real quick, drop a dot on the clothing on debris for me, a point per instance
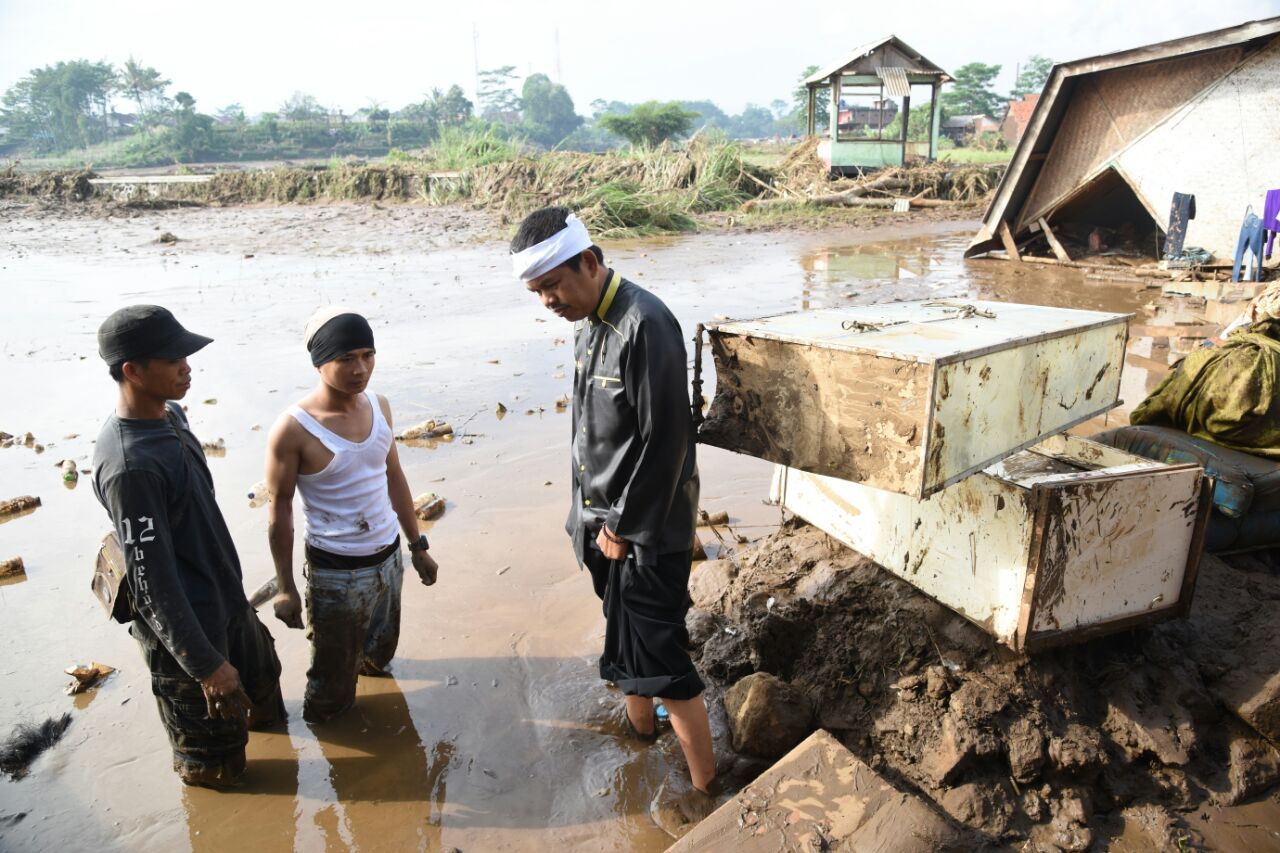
(1250, 243)
(1181, 211)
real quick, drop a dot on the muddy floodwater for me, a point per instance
(495, 732)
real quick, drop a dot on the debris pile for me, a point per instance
(18, 506)
(12, 568)
(803, 178)
(428, 507)
(1058, 749)
(65, 185)
(84, 677)
(27, 742)
(426, 429)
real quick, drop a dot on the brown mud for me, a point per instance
(494, 732)
(1122, 740)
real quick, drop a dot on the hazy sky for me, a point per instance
(351, 53)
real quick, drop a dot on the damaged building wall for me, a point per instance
(1226, 144)
(1108, 111)
(1206, 99)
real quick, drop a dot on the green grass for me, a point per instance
(104, 154)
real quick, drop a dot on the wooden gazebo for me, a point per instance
(887, 71)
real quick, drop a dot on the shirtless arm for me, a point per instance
(402, 502)
(283, 457)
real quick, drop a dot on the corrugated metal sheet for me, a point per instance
(895, 82)
(1111, 109)
(1224, 145)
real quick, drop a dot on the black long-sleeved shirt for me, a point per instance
(634, 460)
(183, 571)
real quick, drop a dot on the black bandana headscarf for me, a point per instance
(339, 336)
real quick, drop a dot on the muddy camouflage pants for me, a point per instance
(197, 740)
(353, 617)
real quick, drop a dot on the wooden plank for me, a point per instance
(1059, 252)
(1135, 360)
(1009, 245)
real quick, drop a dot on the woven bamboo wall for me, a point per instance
(1224, 146)
(1112, 108)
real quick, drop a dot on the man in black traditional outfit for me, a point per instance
(634, 473)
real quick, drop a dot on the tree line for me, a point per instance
(72, 106)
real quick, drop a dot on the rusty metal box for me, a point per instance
(911, 396)
(1058, 543)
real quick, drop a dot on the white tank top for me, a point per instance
(347, 506)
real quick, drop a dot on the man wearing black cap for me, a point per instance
(335, 448)
(214, 670)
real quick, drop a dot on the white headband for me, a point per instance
(323, 314)
(570, 241)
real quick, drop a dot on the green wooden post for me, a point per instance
(935, 121)
(835, 111)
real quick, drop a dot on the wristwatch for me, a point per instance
(419, 544)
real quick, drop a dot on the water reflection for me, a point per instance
(387, 793)
(259, 815)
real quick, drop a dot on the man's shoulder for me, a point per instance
(643, 307)
(125, 466)
(121, 448)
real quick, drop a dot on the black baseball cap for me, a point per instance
(146, 331)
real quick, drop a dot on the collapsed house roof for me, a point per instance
(1189, 115)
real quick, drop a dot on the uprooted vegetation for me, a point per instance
(1059, 750)
(27, 743)
(627, 192)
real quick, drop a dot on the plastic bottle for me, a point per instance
(69, 472)
(260, 494)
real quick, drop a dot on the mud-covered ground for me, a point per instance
(1120, 743)
(495, 732)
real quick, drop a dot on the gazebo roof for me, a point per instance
(904, 56)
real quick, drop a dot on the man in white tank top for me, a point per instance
(335, 447)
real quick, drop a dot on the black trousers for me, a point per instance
(646, 644)
(195, 738)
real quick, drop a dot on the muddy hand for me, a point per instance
(425, 566)
(611, 545)
(288, 608)
(224, 696)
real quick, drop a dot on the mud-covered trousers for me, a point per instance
(200, 742)
(354, 623)
(646, 643)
